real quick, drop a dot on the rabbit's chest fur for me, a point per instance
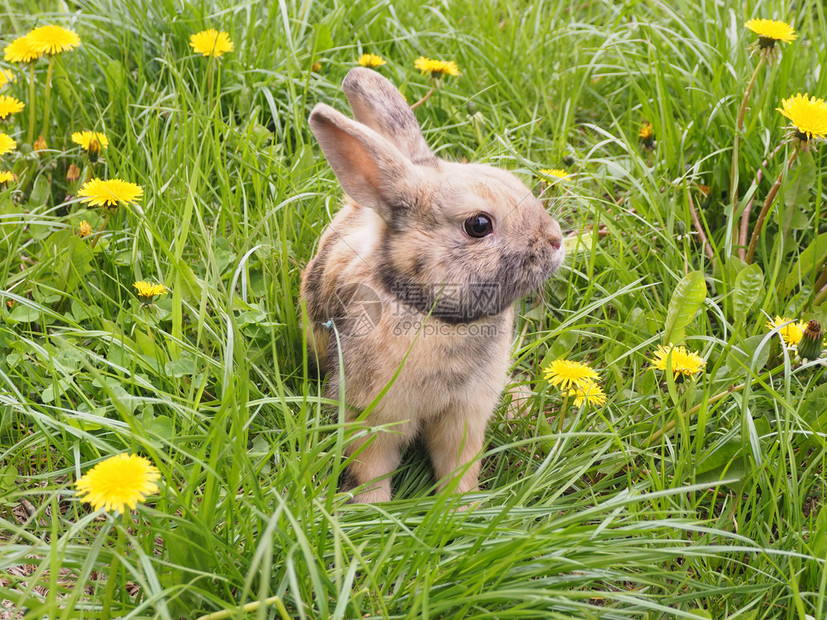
(440, 365)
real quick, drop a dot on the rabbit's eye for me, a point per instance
(479, 225)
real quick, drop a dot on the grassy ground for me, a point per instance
(702, 498)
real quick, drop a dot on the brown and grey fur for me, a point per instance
(400, 233)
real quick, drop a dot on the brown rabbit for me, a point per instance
(413, 285)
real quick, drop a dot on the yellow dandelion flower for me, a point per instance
(148, 291)
(21, 50)
(119, 482)
(7, 143)
(211, 43)
(98, 192)
(9, 105)
(85, 229)
(6, 77)
(436, 68)
(6, 177)
(791, 334)
(554, 172)
(371, 61)
(316, 67)
(769, 31)
(53, 39)
(807, 114)
(684, 362)
(90, 140)
(587, 392)
(646, 133)
(567, 374)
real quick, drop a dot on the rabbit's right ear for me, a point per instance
(377, 103)
(370, 169)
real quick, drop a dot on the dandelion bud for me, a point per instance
(73, 173)
(40, 144)
(812, 341)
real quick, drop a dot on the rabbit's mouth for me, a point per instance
(523, 272)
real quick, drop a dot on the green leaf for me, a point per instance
(562, 346)
(68, 258)
(24, 314)
(85, 419)
(55, 389)
(797, 193)
(749, 284)
(324, 40)
(814, 408)
(182, 367)
(741, 356)
(687, 299)
(8, 482)
(163, 427)
(808, 262)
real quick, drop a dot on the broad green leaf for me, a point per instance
(562, 346)
(810, 259)
(814, 408)
(687, 299)
(741, 356)
(163, 427)
(797, 193)
(324, 40)
(24, 314)
(720, 455)
(184, 366)
(8, 484)
(749, 284)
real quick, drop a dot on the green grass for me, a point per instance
(672, 501)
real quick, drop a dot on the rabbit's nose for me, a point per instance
(555, 235)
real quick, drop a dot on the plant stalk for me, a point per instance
(32, 95)
(736, 147)
(756, 232)
(100, 231)
(114, 569)
(563, 414)
(742, 238)
(48, 97)
(696, 222)
(424, 99)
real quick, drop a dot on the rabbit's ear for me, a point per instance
(379, 105)
(370, 169)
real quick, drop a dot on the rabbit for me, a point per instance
(410, 294)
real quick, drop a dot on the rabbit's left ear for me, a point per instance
(370, 169)
(379, 105)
